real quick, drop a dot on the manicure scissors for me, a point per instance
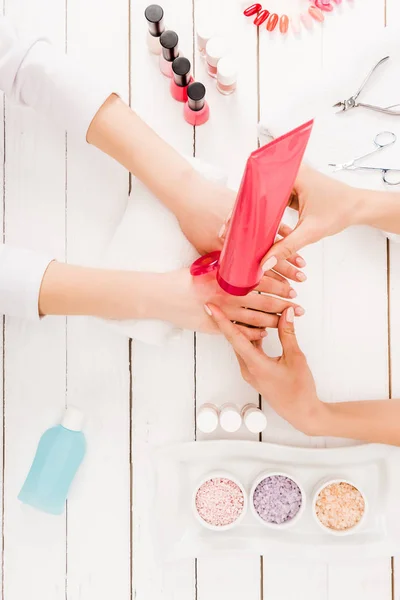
(381, 140)
(352, 101)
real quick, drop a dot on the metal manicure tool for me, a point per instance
(381, 140)
(352, 101)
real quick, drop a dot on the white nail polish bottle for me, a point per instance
(254, 418)
(230, 418)
(207, 418)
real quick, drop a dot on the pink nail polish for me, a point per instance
(216, 48)
(327, 7)
(300, 262)
(316, 13)
(306, 20)
(169, 51)
(181, 78)
(196, 111)
(299, 311)
(154, 15)
(226, 76)
(292, 293)
(301, 276)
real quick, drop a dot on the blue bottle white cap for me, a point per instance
(73, 419)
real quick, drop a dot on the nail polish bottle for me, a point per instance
(254, 418)
(204, 33)
(155, 19)
(230, 418)
(216, 48)
(207, 418)
(169, 51)
(226, 76)
(181, 78)
(196, 111)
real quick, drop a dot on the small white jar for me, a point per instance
(226, 75)
(230, 418)
(204, 32)
(254, 418)
(220, 475)
(216, 48)
(338, 532)
(290, 522)
(207, 418)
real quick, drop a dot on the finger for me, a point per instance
(296, 259)
(234, 335)
(253, 334)
(278, 287)
(287, 334)
(301, 236)
(289, 271)
(224, 228)
(269, 304)
(252, 318)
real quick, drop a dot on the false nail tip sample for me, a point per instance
(307, 21)
(272, 22)
(261, 17)
(284, 24)
(325, 7)
(252, 10)
(295, 24)
(316, 13)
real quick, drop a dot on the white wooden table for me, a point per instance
(66, 198)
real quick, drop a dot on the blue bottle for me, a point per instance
(59, 454)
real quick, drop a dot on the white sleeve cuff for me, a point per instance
(21, 275)
(393, 237)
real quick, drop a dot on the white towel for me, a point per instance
(149, 238)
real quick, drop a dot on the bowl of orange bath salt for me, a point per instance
(339, 506)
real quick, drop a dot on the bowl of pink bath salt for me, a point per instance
(339, 506)
(277, 500)
(219, 502)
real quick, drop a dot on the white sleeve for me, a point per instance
(21, 274)
(393, 237)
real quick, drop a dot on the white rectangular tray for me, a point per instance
(179, 468)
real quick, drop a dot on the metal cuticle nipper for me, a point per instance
(351, 102)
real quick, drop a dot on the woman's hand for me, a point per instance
(326, 207)
(180, 299)
(285, 382)
(204, 220)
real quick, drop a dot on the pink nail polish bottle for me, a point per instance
(155, 19)
(169, 51)
(196, 111)
(181, 78)
(264, 192)
(216, 48)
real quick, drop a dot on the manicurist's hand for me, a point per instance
(181, 301)
(326, 207)
(285, 382)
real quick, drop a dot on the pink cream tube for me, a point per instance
(263, 196)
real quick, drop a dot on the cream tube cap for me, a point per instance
(226, 71)
(73, 419)
(216, 48)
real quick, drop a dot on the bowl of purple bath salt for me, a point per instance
(277, 500)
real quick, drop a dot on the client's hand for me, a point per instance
(326, 206)
(204, 218)
(285, 382)
(181, 301)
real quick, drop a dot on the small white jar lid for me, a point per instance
(204, 32)
(226, 71)
(230, 419)
(255, 420)
(207, 419)
(216, 48)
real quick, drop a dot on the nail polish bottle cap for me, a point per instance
(169, 42)
(254, 419)
(226, 71)
(205, 32)
(73, 419)
(230, 418)
(207, 418)
(181, 71)
(196, 95)
(215, 49)
(155, 18)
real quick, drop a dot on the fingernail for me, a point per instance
(299, 311)
(292, 293)
(264, 334)
(208, 310)
(301, 276)
(222, 230)
(269, 264)
(300, 262)
(290, 315)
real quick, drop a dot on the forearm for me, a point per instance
(379, 209)
(120, 133)
(369, 421)
(71, 290)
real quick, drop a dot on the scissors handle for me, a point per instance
(389, 176)
(380, 109)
